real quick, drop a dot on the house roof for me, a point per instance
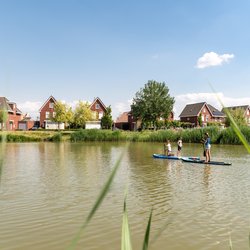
(215, 112)
(244, 107)
(5, 105)
(123, 118)
(98, 99)
(51, 97)
(194, 109)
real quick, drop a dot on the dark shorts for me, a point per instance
(179, 148)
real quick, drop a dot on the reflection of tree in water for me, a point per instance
(148, 183)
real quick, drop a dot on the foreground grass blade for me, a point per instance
(234, 125)
(125, 239)
(230, 243)
(146, 238)
(98, 202)
(3, 145)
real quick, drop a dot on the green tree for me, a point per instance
(3, 118)
(63, 113)
(200, 120)
(238, 116)
(82, 114)
(152, 102)
(106, 121)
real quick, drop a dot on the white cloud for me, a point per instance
(31, 108)
(211, 98)
(120, 107)
(210, 59)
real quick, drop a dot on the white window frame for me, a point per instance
(97, 106)
(51, 105)
(47, 115)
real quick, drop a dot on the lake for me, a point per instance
(47, 190)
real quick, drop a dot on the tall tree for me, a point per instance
(106, 121)
(152, 102)
(82, 114)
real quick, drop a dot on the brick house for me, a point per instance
(246, 110)
(47, 112)
(126, 121)
(14, 115)
(98, 106)
(207, 112)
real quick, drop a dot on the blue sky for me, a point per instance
(81, 49)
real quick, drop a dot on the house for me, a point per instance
(126, 121)
(26, 123)
(13, 114)
(98, 107)
(207, 112)
(47, 112)
(246, 110)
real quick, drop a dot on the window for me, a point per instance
(248, 112)
(97, 106)
(54, 114)
(207, 118)
(204, 110)
(51, 105)
(47, 115)
(202, 118)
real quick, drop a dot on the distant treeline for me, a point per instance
(193, 135)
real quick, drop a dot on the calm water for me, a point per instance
(47, 190)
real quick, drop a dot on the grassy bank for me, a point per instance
(218, 136)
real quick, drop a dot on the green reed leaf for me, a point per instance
(234, 124)
(146, 238)
(126, 238)
(98, 202)
(230, 243)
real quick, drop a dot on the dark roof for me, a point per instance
(192, 109)
(215, 112)
(4, 105)
(244, 107)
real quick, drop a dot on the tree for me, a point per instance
(152, 102)
(238, 116)
(82, 114)
(3, 118)
(200, 120)
(63, 113)
(106, 121)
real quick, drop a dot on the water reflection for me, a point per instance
(50, 187)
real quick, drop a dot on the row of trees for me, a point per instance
(77, 118)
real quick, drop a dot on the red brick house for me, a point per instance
(47, 112)
(14, 115)
(98, 107)
(246, 110)
(207, 112)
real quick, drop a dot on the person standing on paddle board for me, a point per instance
(168, 149)
(179, 146)
(207, 146)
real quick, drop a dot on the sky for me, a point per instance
(82, 49)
